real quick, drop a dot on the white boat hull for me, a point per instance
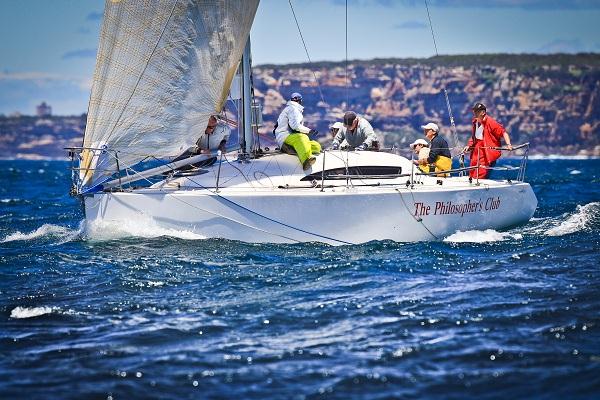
(340, 215)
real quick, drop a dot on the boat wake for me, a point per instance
(141, 227)
(582, 219)
(62, 233)
(488, 235)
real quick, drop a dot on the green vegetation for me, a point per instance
(520, 62)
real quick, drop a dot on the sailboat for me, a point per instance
(164, 67)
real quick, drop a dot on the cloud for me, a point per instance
(562, 46)
(351, 3)
(94, 16)
(522, 4)
(42, 79)
(29, 76)
(22, 91)
(81, 53)
(411, 25)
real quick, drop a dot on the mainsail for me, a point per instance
(163, 67)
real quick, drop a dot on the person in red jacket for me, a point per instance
(485, 136)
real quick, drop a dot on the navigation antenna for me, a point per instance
(306, 50)
(455, 148)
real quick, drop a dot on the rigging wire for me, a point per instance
(347, 83)
(452, 124)
(294, 228)
(306, 50)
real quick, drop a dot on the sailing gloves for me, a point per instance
(335, 146)
(361, 147)
(313, 133)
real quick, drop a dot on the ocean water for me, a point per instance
(149, 313)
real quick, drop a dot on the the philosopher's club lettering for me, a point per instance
(448, 207)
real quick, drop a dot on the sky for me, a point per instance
(48, 47)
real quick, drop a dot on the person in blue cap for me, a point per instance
(291, 132)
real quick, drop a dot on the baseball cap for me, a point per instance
(478, 107)
(432, 126)
(419, 141)
(296, 96)
(349, 118)
(337, 125)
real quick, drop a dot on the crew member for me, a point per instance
(357, 132)
(291, 132)
(485, 138)
(439, 153)
(333, 130)
(421, 149)
(214, 138)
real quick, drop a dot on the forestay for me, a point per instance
(163, 67)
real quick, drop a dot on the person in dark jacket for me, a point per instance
(439, 154)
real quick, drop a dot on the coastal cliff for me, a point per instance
(551, 101)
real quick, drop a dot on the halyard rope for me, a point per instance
(306, 50)
(450, 115)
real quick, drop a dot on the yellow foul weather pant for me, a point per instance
(443, 164)
(303, 145)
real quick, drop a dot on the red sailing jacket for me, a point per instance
(492, 132)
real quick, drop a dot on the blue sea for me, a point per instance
(148, 313)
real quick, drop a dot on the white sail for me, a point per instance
(163, 67)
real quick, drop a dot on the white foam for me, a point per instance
(140, 227)
(63, 233)
(29, 312)
(489, 235)
(575, 172)
(580, 220)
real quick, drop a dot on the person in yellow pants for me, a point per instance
(290, 132)
(305, 148)
(439, 152)
(442, 164)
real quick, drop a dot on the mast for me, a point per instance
(246, 134)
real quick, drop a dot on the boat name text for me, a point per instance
(448, 207)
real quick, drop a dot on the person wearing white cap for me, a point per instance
(439, 152)
(421, 149)
(291, 133)
(335, 129)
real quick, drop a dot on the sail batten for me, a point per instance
(161, 71)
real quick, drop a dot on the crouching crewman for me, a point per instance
(291, 132)
(357, 132)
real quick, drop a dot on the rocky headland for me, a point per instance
(551, 101)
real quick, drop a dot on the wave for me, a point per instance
(14, 201)
(488, 235)
(29, 312)
(140, 227)
(583, 218)
(560, 157)
(64, 234)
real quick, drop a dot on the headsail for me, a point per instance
(163, 67)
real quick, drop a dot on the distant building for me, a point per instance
(43, 110)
